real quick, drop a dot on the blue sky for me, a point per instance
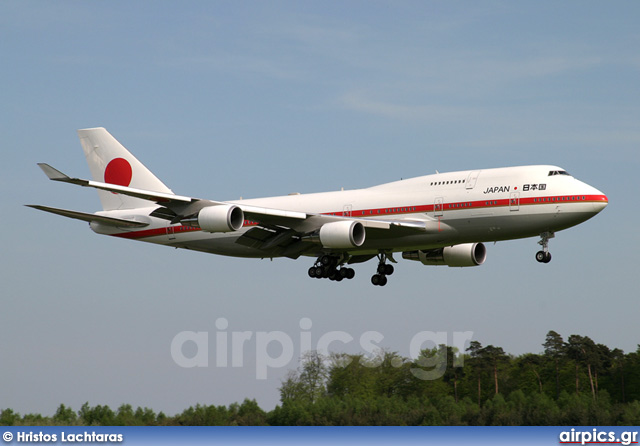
(252, 99)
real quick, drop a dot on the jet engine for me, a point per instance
(342, 234)
(221, 218)
(467, 254)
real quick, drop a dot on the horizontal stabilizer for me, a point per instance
(110, 221)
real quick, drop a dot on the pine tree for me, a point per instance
(555, 348)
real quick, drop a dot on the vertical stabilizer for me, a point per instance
(110, 162)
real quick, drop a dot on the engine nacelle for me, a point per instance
(221, 218)
(466, 254)
(342, 234)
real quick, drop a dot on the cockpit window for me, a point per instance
(558, 172)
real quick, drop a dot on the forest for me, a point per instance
(573, 382)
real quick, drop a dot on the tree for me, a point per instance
(426, 376)
(291, 388)
(618, 363)
(349, 376)
(65, 415)
(124, 416)
(583, 350)
(386, 389)
(554, 348)
(477, 363)
(205, 415)
(494, 356)
(8, 417)
(391, 373)
(632, 375)
(250, 414)
(314, 375)
(308, 382)
(146, 417)
(96, 416)
(453, 371)
(603, 359)
(532, 362)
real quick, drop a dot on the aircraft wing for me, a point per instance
(279, 228)
(287, 237)
(187, 205)
(110, 221)
(307, 222)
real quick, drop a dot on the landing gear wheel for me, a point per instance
(383, 270)
(379, 279)
(544, 256)
(332, 267)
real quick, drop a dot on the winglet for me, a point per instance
(55, 175)
(52, 173)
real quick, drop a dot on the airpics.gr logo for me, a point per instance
(277, 349)
(598, 437)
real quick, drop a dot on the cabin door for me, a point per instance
(514, 201)
(438, 207)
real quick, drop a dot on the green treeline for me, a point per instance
(573, 382)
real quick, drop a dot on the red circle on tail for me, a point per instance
(118, 172)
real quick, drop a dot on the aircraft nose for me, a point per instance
(600, 202)
(598, 199)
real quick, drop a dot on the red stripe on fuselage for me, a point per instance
(445, 207)
(156, 232)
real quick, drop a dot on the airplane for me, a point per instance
(439, 219)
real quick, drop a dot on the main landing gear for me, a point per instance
(544, 256)
(384, 270)
(330, 267)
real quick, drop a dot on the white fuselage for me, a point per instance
(461, 207)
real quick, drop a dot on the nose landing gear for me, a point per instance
(544, 256)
